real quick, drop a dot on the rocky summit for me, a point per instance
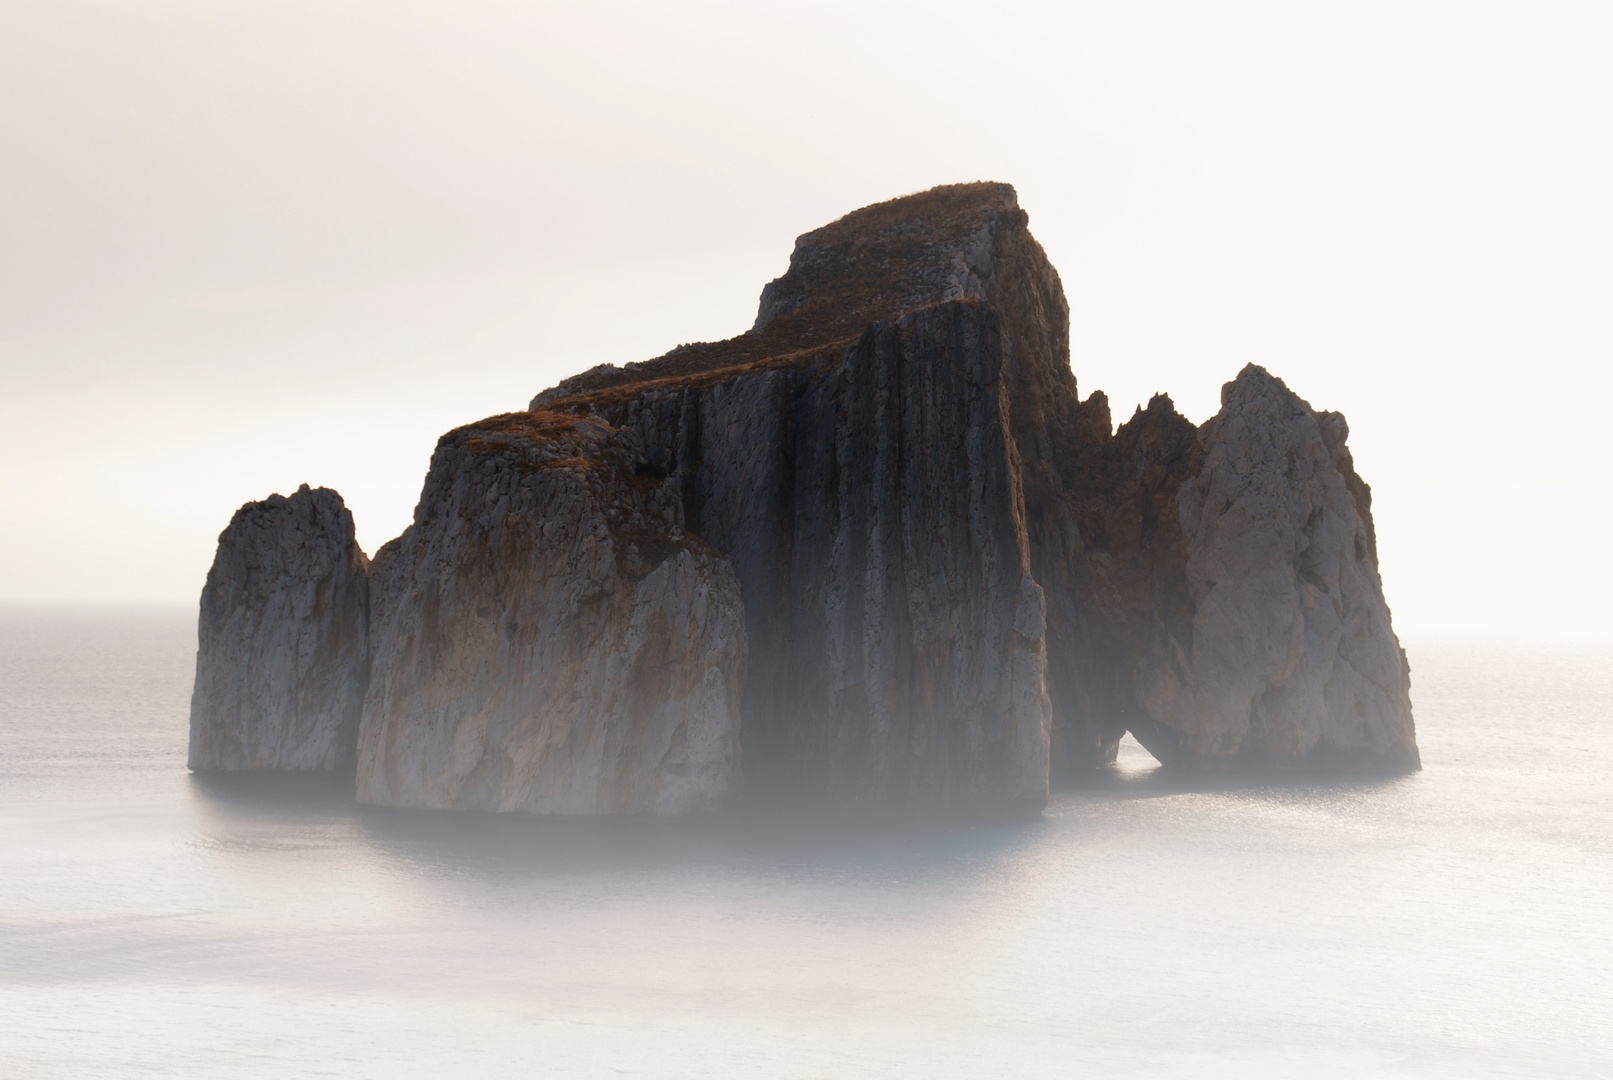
(876, 553)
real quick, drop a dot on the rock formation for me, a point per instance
(283, 658)
(876, 552)
(548, 638)
(1289, 654)
(855, 456)
(872, 511)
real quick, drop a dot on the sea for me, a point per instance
(1457, 922)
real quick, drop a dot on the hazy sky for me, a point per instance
(247, 245)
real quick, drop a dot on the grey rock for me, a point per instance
(283, 654)
(1290, 658)
(869, 495)
(875, 553)
(757, 446)
(873, 514)
(547, 637)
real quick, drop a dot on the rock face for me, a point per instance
(868, 490)
(875, 553)
(284, 648)
(743, 425)
(1288, 657)
(872, 510)
(548, 638)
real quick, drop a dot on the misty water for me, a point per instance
(1453, 923)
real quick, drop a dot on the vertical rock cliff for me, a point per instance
(874, 553)
(548, 638)
(283, 657)
(868, 490)
(741, 427)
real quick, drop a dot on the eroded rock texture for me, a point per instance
(1288, 656)
(868, 490)
(756, 431)
(548, 638)
(875, 553)
(1118, 558)
(283, 654)
(872, 510)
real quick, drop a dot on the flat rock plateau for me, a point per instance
(874, 554)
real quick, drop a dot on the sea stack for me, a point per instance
(1288, 656)
(283, 656)
(874, 554)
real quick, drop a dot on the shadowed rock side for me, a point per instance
(283, 651)
(548, 638)
(1288, 657)
(1117, 561)
(743, 426)
(873, 514)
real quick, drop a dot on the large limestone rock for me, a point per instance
(283, 653)
(875, 552)
(1289, 657)
(548, 638)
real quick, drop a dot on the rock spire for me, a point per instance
(283, 656)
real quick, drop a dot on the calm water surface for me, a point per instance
(1455, 923)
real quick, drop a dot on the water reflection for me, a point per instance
(1121, 784)
(237, 807)
(252, 809)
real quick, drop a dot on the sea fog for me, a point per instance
(1450, 923)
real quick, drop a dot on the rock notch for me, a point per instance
(875, 553)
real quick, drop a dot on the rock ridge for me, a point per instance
(874, 264)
